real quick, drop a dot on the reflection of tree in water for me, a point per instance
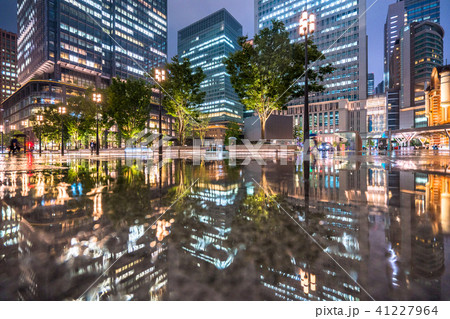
(130, 200)
(263, 223)
(273, 241)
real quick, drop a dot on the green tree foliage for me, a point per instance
(233, 130)
(82, 113)
(51, 125)
(266, 73)
(79, 119)
(201, 128)
(183, 94)
(128, 105)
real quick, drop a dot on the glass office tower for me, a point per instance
(88, 42)
(8, 64)
(340, 35)
(371, 84)
(206, 43)
(422, 10)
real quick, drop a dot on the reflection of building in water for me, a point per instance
(219, 200)
(66, 241)
(415, 234)
(409, 208)
(9, 241)
(345, 225)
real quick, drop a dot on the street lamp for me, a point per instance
(1, 130)
(160, 76)
(97, 100)
(307, 26)
(62, 110)
(39, 119)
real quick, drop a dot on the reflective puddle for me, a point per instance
(127, 229)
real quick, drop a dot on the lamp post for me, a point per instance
(62, 111)
(25, 125)
(160, 76)
(97, 100)
(2, 126)
(39, 119)
(1, 129)
(307, 26)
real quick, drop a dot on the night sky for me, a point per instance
(185, 12)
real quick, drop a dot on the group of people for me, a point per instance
(14, 146)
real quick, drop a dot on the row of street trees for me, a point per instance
(127, 104)
(265, 73)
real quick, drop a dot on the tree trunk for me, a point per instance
(263, 128)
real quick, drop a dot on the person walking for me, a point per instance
(14, 146)
(92, 146)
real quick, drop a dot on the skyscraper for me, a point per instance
(206, 43)
(371, 84)
(422, 10)
(8, 64)
(380, 88)
(423, 50)
(340, 35)
(395, 21)
(88, 42)
(413, 46)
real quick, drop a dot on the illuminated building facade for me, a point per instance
(422, 10)
(437, 102)
(340, 35)
(34, 95)
(376, 116)
(393, 30)
(88, 42)
(37, 94)
(423, 50)
(395, 21)
(331, 117)
(8, 64)
(206, 43)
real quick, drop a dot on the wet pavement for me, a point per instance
(371, 226)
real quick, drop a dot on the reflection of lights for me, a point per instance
(98, 209)
(406, 165)
(308, 281)
(25, 188)
(393, 263)
(445, 212)
(62, 193)
(161, 229)
(135, 232)
(40, 185)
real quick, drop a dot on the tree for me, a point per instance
(51, 124)
(233, 130)
(82, 113)
(128, 105)
(201, 128)
(182, 94)
(266, 74)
